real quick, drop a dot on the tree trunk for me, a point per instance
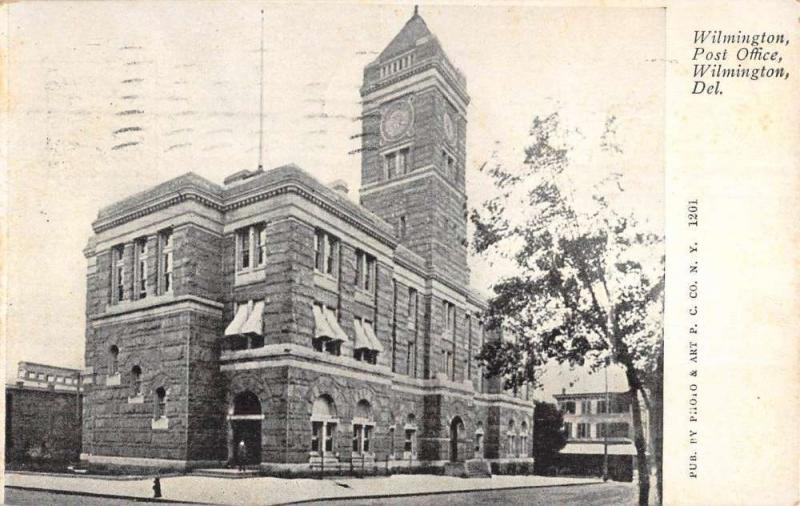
(638, 430)
(641, 450)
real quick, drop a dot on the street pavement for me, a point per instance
(597, 494)
(271, 491)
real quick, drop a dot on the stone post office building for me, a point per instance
(275, 311)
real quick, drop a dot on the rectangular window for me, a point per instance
(316, 434)
(448, 164)
(319, 250)
(469, 346)
(620, 429)
(261, 245)
(402, 161)
(332, 256)
(369, 273)
(601, 407)
(141, 268)
(118, 261)
(243, 240)
(568, 407)
(391, 441)
(408, 444)
(326, 253)
(586, 407)
(411, 312)
(356, 438)
(448, 364)
(402, 228)
(601, 430)
(410, 360)
(367, 432)
(365, 271)
(568, 429)
(583, 431)
(391, 166)
(166, 261)
(330, 429)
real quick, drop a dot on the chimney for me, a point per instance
(340, 186)
(563, 391)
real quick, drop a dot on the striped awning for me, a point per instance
(361, 341)
(235, 326)
(370, 332)
(253, 325)
(322, 329)
(333, 323)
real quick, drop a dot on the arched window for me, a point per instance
(161, 403)
(136, 381)
(511, 439)
(113, 360)
(523, 439)
(362, 427)
(323, 425)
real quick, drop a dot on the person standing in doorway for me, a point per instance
(241, 454)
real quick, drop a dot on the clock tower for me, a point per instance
(413, 148)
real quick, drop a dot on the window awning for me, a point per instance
(333, 323)
(362, 341)
(238, 321)
(370, 333)
(322, 328)
(253, 324)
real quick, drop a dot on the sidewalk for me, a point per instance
(271, 491)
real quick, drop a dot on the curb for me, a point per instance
(437, 492)
(109, 477)
(104, 496)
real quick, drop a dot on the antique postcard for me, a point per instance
(262, 252)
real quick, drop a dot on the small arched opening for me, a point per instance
(456, 432)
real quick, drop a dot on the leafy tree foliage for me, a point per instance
(549, 436)
(588, 277)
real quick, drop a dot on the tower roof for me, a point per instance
(414, 29)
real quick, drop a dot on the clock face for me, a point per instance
(449, 128)
(397, 120)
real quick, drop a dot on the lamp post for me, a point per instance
(605, 427)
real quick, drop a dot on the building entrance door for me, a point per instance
(249, 432)
(245, 430)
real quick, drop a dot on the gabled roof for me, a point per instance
(414, 29)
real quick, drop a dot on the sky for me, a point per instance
(107, 99)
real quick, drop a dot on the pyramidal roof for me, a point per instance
(414, 29)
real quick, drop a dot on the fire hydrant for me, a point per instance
(156, 487)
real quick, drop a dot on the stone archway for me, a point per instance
(245, 423)
(456, 433)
